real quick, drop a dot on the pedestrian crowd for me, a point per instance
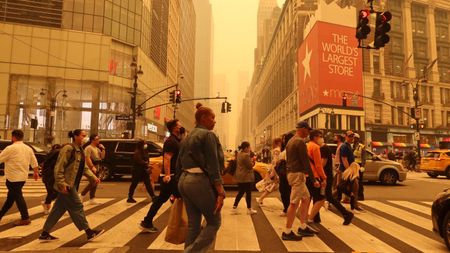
(301, 168)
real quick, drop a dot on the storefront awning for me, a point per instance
(423, 145)
(402, 145)
(379, 144)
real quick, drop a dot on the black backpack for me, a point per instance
(231, 167)
(281, 168)
(48, 168)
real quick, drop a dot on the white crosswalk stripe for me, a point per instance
(238, 233)
(32, 188)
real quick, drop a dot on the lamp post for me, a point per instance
(136, 73)
(49, 126)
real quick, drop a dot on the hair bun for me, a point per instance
(198, 105)
(70, 134)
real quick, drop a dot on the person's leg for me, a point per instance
(86, 189)
(76, 212)
(134, 182)
(20, 201)
(148, 185)
(285, 193)
(361, 186)
(162, 198)
(241, 191)
(248, 194)
(205, 204)
(10, 198)
(59, 208)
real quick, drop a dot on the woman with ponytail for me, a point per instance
(245, 177)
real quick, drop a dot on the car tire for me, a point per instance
(257, 179)
(389, 177)
(432, 174)
(446, 229)
(447, 173)
(104, 172)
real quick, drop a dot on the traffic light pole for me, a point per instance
(184, 100)
(416, 106)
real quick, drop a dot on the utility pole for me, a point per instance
(136, 73)
(416, 108)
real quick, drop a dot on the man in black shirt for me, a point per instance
(168, 184)
(327, 159)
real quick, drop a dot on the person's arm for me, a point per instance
(305, 161)
(4, 155)
(343, 154)
(89, 163)
(61, 163)
(102, 151)
(363, 156)
(318, 164)
(166, 163)
(34, 164)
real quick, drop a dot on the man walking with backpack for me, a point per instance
(94, 153)
(18, 158)
(169, 185)
(69, 169)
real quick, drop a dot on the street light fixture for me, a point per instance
(136, 73)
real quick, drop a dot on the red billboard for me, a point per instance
(329, 65)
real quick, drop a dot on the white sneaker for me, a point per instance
(251, 211)
(326, 205)
(44, 206)
(283, 214)
(93, 202)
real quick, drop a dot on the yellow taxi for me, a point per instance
(436, 163)
(259, 168)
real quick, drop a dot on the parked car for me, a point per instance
(260, 170)
(119, 158)
(440, 215)
(379, 169)
(40, 151)
(436, 163)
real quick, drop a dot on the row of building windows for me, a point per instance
(45, 13)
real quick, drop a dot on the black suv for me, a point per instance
(39, 151)
(119, 157)
(440, 215)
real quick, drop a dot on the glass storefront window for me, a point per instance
(89, 7)
(99, 4)
(78, 6)
(68, 5)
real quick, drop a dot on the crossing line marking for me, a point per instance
(271, 208)
(237, 232)
(427, 203)
(122, 233)
(15, 216)
(70, 231)
(37, 224)
(413, 206)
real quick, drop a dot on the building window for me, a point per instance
(378, 112)
(420, 49)
(393, 115)
(400, 115)
(418, 28)
(397, 45)
(377, 88)
(425, 117)
(448, 119)
(444, 73)
(442, 33)
(397, 67)
(376, 64)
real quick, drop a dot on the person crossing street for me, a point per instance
(94, 153)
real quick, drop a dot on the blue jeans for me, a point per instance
(200, 199)
(15, 195)
(67, 202)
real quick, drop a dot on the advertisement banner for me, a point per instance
(329, 65)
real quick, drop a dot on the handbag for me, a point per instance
(177, 225)
(261, 185)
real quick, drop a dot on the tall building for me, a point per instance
(67, 65)
(203, 48)
(267, 15)
(186, 63)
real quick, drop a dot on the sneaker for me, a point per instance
(44, 236)
(94, 234)
(131, 200)
(283, 214)
(93, 202)
(234, 211)
(348, 218)
(260, 203)
(326, 205)
(251, 211)
(307, 232)
(22, 222)
(290, 237)
(148, 227)
(359, 209)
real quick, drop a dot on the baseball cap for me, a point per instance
(350, 133)
(357, 136)
(303, 124)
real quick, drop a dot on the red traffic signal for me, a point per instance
(363, 29)
(344, 100)
(178, 96)
(382, 27)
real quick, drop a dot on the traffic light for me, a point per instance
(177, 96)
(344, 100)
(363, 29)
(172, 97)
(228, 107)
(382, 27)
(224, 109)
(139, 110)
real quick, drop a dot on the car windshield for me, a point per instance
(433, 155)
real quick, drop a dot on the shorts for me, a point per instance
(299, 190)
(314, 191)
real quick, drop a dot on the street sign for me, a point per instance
(124, 117)
(417, 135)
(417, 113)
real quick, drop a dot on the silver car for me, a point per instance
(386, 171)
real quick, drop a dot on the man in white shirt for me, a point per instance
(17, 157)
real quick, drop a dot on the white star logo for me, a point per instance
(306, 62)
(325, 93)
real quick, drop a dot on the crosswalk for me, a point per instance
(386, 226)
(32, 188)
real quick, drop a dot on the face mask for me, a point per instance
(85, 140)
(145, 146)
(320, 141)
